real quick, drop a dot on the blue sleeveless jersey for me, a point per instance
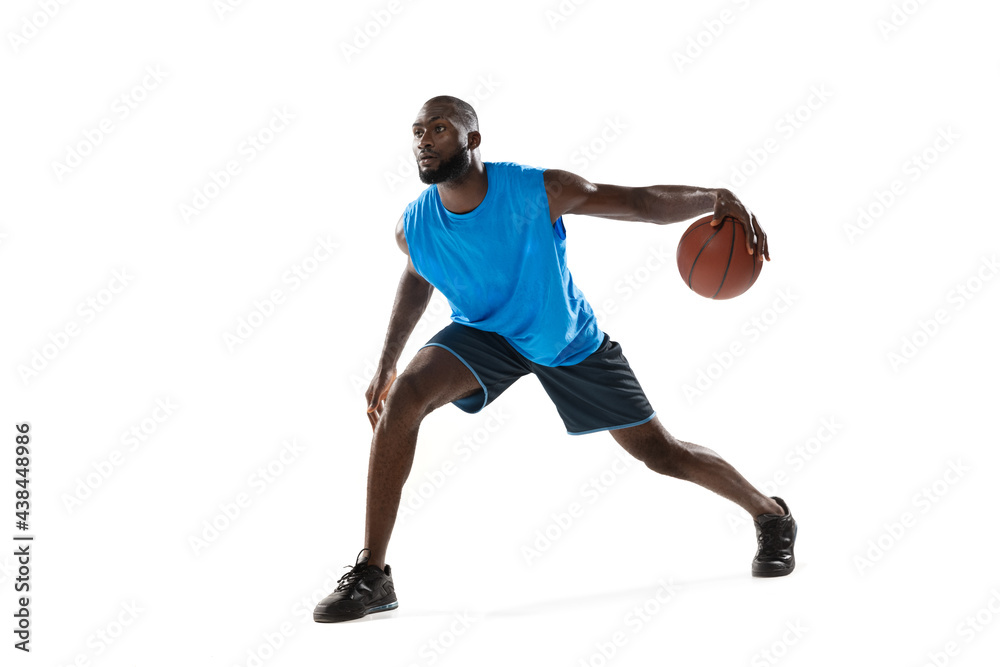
(502, 266)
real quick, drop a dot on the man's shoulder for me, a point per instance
(516, 167)
(422, 200)
(520, 176)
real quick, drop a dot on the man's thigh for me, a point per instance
(434, 377)
(489, 358)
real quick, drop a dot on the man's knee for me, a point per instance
(408, 402)
(660, 452)
(675, 462)
(668, 458)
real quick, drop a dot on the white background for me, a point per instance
(885, 574)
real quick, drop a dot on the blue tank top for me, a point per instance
(502, 266)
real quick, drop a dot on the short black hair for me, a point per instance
(464, 110)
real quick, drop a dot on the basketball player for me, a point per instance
(490, 237)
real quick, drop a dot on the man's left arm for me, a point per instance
(658, 204)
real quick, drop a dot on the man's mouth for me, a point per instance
(425, 158)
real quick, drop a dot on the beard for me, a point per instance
(453, 168)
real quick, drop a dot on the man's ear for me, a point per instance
(474, 140)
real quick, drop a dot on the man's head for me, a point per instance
(445, 139)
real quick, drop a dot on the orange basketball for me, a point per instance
(714, 261)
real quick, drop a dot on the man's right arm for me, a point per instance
(412, 296)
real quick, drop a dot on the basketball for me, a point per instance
(714, 261)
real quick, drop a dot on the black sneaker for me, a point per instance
(775, 543)
(364, 590)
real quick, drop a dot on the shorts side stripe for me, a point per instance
(614, 428)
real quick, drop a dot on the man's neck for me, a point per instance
(465, 194)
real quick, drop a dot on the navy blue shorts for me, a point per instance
(599, 393)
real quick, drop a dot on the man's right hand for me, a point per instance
(377, 391)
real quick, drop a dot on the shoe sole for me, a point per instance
(332, 618)
(775, 573)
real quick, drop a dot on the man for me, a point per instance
(490, 237)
